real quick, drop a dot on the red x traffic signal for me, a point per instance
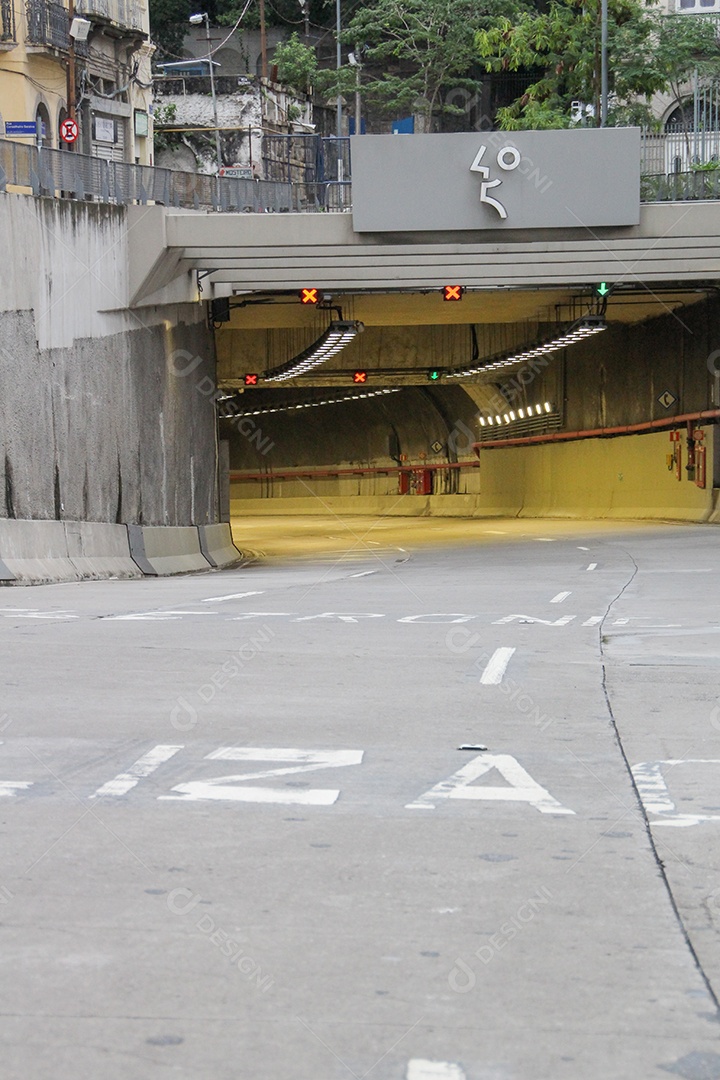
(251, 380)
(360, 376)
(310, 296)
(453, 292)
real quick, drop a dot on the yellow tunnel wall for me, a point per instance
(622, 477)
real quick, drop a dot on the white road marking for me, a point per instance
(545, 539)
(419, 1069)
(562, 621)
(621, 622)
(349, 618)
(654, 794)
(593, 620)
(592, 566)
(521, 786)
(437, 618)
(496, 667)
(231, 596)
(46, 615)
(559, 597)
(260, 615)
(365, 573)
(221, 787)
(582, 548)
(145, 765)
(11, 787)
(496, 532)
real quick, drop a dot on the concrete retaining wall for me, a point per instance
(106, 412)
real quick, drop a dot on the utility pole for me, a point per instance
(338, 30)
(195, 20)
(263, 42)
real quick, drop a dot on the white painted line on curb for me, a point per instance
(559, 597)
(230, 596)
(496, 667)
(145, 765)
(418, 1069)
(592, 566)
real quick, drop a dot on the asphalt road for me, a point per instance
(240, 838)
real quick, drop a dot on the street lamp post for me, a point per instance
(196, 20)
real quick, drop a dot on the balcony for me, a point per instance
(124, 14)
(48, 24)
(7, 24)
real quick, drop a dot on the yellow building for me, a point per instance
(90, 61)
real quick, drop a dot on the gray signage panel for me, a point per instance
(496, 180)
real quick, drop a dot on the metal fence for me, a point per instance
(70, 175)
(61, 173)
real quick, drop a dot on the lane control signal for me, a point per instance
(434, 375)
(310, 296)
(252, 379)
(453, 292)
(603, 289)
(360, 376)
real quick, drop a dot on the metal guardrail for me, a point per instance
(61, 173)
(76, 176)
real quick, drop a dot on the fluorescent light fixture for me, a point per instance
(309, 404)
(581, 329)
(339, 334)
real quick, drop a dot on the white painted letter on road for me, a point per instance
(520, 786)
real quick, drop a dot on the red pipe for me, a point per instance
(364, 471)
(595, 433)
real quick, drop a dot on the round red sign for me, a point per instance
(69, 131)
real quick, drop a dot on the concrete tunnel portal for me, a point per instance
(585, 429)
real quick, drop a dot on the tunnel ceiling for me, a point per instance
(406, 334)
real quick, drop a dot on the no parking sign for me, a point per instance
(69, 131)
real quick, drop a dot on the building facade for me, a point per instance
(98, 75)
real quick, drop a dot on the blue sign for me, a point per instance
(406, 126)
(20, 127)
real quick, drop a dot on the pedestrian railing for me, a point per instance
(66, 174)
(62, 173)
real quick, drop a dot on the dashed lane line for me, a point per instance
(496, 667)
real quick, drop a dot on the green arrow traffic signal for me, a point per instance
(603, 289)
(434, 375)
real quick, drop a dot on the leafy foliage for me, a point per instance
(648, 52)
(411, 50)
(296, 63)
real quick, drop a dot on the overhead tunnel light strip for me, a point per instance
(579, 331)
(337, 336)
(313, 404)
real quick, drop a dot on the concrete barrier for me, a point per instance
(41, 552)
(98, 550)
(216, 544)
(166, 549)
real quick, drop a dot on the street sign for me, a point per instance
(20, 128)
(69, 131)
(667, 400)
(436, 447)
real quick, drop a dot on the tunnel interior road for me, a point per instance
(251, 845)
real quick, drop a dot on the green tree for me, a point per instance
(412, 50)
(296, 62)
(648, 52)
